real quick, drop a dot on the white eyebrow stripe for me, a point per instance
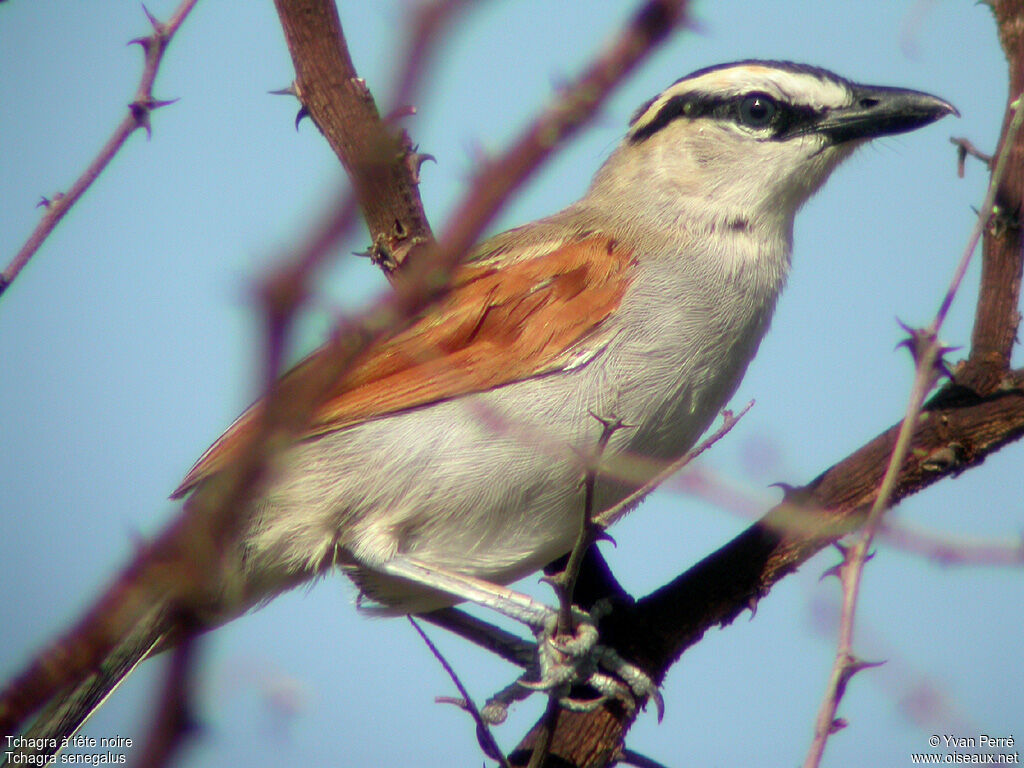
(798, 88)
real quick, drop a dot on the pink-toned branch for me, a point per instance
(154, 46)
(928, 356)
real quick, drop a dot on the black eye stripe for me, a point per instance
(788, 120)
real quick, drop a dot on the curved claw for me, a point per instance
(639, 682)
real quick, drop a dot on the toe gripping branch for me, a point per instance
(562, 660)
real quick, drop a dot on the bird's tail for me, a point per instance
(66, 712)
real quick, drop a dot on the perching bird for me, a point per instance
(457, 444)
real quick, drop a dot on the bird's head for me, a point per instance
(753, 139)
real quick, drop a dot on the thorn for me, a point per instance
(786, 488)
(141, 110)
(837, 725)
(46, 202)
(921, 341)
(857, 664)
(752, 605)
(454, 701)
(599, 533)
(303, 112)
(659, 703)
(145, 43)
(835, 570)
(611, 424)
(415, 161)
(154, 22)
(854, 665)
(398, 113)
(554, 580)
(290, 90)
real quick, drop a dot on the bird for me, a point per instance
(456, 444)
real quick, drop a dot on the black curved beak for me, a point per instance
(881, 111)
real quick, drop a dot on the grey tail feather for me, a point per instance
(66, 712)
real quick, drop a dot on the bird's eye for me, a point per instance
(757, 110)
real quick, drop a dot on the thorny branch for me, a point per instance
(381, 162)
(928, 358)
(483, 729)
(153, 47)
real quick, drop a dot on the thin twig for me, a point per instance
(953, 550)
(172, 716)
(139, 110)
(500, 642)
(928, 354)
(425, 33)
(487, 742)
(948, 549)
(565, 582)
(964, 147)
(729, 420)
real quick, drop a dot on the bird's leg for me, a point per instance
(568, 652)
(564, 583)
(507, 602)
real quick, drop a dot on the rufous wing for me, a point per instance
(505, 319)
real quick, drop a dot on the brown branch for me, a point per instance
(818, 514)
(381, 162)
(656, 630)
(997, 315)
(139, 110)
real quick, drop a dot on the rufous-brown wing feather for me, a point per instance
(503, 321)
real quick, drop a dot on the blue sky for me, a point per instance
(129, 344)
